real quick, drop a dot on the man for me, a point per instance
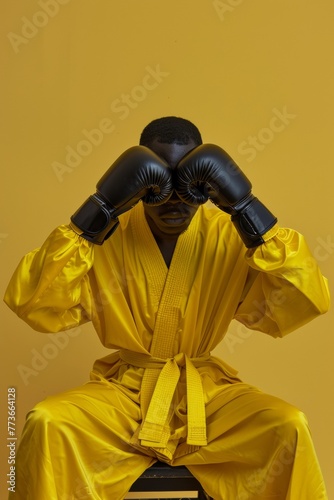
(161, 274)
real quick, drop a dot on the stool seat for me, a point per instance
(164, 481)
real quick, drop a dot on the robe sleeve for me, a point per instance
(285, 288)
(50, 288)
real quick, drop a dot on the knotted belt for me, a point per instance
(155, 431)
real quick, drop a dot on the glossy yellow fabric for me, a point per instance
(169, 398)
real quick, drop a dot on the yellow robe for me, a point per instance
(162, 393)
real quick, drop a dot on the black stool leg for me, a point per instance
(163, 477)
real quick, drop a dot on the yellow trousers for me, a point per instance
(75, 445)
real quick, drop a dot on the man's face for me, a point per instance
(170, 219)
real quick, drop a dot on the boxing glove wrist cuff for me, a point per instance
(95, 220)
(252, 222)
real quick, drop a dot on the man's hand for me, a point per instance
(209, 172)
(138, 174)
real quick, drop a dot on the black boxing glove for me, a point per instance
(138, 174)
(209, 172)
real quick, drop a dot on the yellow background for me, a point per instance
(255, 76)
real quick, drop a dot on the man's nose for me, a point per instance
(174, 198)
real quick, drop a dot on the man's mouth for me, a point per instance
(174, 211)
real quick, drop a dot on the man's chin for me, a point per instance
(174, 226)
(171, 223)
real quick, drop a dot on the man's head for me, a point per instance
(171, 130)
(171, 138)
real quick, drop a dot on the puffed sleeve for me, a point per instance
(50, 288)
(285, 288)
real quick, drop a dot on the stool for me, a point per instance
(164, 481)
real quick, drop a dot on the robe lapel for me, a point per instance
(168, 285)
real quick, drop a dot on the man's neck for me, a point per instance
(165, 242)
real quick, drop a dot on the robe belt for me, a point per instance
(155, 431)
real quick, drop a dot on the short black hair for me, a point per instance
(170, 130)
